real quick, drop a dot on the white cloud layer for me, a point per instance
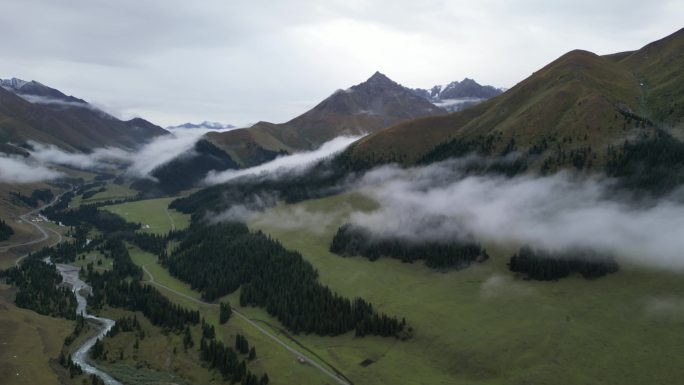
(138, 163)
(18, 170)
(163, 149)
(289, 163)
(100, 158)
(554, 212)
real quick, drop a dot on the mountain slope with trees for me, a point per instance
(580, 103)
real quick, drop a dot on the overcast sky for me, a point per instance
(173, 61)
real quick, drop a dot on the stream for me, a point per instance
(70, 275)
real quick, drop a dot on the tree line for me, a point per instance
(652, 163)
(121, 287)
(102, 220)
(37, 196)
(218, 259)
(321, 180)
(226, 361)
(544, 265)
(5, 230)
(353, 240)
(40, 289)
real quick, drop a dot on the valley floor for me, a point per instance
(481, 325)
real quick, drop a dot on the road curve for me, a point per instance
(259, 328)
(173, 223)
(43, 233)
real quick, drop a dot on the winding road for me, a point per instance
(43, 231)
(263, 331)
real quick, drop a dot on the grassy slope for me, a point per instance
(25, 233)
(28, 342)
(151, 212)
(574, 96)
(577, 96)
(658, 66)
(483, 326)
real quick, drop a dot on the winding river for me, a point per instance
(70, 275)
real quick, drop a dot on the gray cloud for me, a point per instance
(555, 212)
(18, 170)
(175, 61)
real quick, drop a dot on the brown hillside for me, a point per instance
(579, 101)
(367, 107)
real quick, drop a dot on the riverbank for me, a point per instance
(80, 356)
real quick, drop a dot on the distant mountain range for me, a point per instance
(456, 95)
(206, 125)
(30, 110)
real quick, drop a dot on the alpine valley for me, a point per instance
(458, 234)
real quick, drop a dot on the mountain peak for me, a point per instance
(206, 125)
(36, 92)
(378, 75)
(379, 78)
(13, 84)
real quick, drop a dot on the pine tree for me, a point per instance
(225, 312)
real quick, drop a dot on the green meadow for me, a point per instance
(281, 365)
(483, 325)
(153, 214)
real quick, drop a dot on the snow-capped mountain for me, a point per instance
(38, 93)
(457, 95)
(206, 125)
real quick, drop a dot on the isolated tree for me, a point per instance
(225, 312)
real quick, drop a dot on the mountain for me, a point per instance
(30, 110)
(456, 95)
(573, 112)
(186, 170)
(367, 107)
(206, 125)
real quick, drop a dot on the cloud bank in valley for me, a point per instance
(99, 158)
(289, 163)
(18, 170)
(438, 202)
(139, 163)
(163, 149)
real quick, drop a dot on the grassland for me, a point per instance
(153, 213)
(482, 325)
(29, 343)
(112, 191)
(281, 365)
